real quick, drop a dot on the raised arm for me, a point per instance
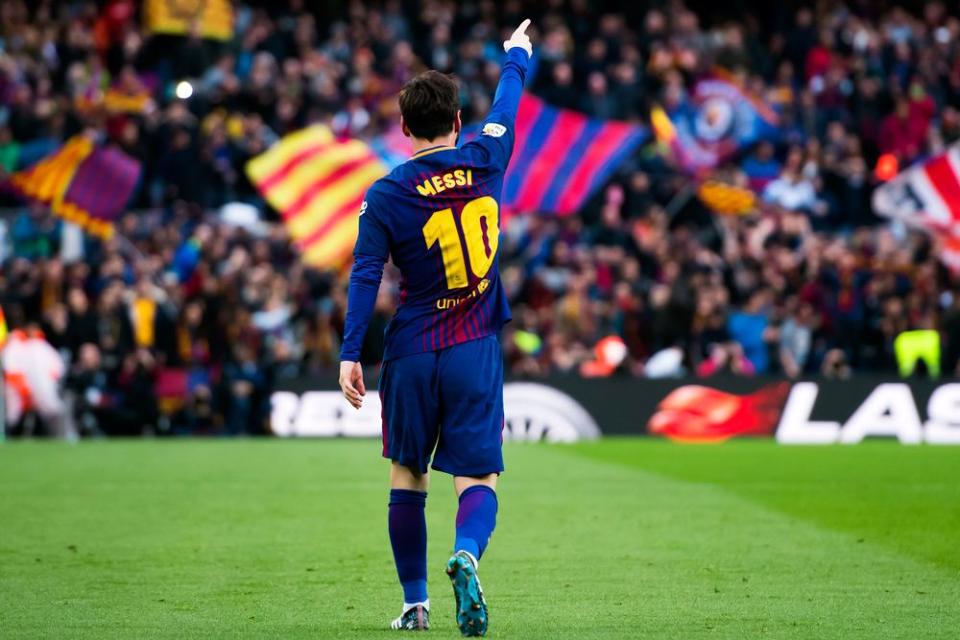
(514, 72)
(497, 133)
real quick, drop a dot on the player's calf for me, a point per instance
(408, 538)
(476, 519)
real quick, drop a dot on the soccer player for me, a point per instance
(441, 386)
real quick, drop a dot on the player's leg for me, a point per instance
(476, 514)
(407, 525)
(469, 448)
(408, 395)
(476, 519)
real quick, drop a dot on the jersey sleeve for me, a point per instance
(373, 238)
(497, 133)
(370, 254)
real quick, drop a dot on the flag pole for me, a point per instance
(680, 200)
(125, 246)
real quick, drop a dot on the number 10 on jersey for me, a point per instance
(480, 220)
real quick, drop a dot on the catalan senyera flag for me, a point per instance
(82, 183)
(317, 183)
(213, 18)
(49, 178)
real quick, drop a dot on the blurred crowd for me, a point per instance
(185, 322)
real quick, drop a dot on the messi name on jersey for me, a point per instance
(450, 180)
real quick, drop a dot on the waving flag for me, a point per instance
(82, 183)
(213, 18)
(317, 183)
(927, 196)
(561, 156)
(718, 120)
(99, 191)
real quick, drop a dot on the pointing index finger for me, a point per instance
(522, 28)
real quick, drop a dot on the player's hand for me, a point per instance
(351, 382)
(520, 39)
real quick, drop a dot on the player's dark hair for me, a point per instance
(429, 105)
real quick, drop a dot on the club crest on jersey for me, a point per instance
(363, 207)
(493, 130)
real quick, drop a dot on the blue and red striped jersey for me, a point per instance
(437, 216)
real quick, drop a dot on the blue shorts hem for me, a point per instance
(423, 468)
(469, 472)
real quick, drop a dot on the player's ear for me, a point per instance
(456, 123)
(403, 127)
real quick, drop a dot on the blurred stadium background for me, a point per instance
(720, 221)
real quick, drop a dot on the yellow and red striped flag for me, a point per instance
(48, 180)
(317, 183)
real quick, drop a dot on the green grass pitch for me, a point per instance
(624, 538)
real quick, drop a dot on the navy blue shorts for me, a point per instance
(450, 401)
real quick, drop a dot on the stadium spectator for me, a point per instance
(813, 283)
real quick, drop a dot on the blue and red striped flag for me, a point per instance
(561, 156)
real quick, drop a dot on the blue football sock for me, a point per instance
(408, 537)
(476, 518)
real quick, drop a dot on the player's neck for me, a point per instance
(419, 144)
